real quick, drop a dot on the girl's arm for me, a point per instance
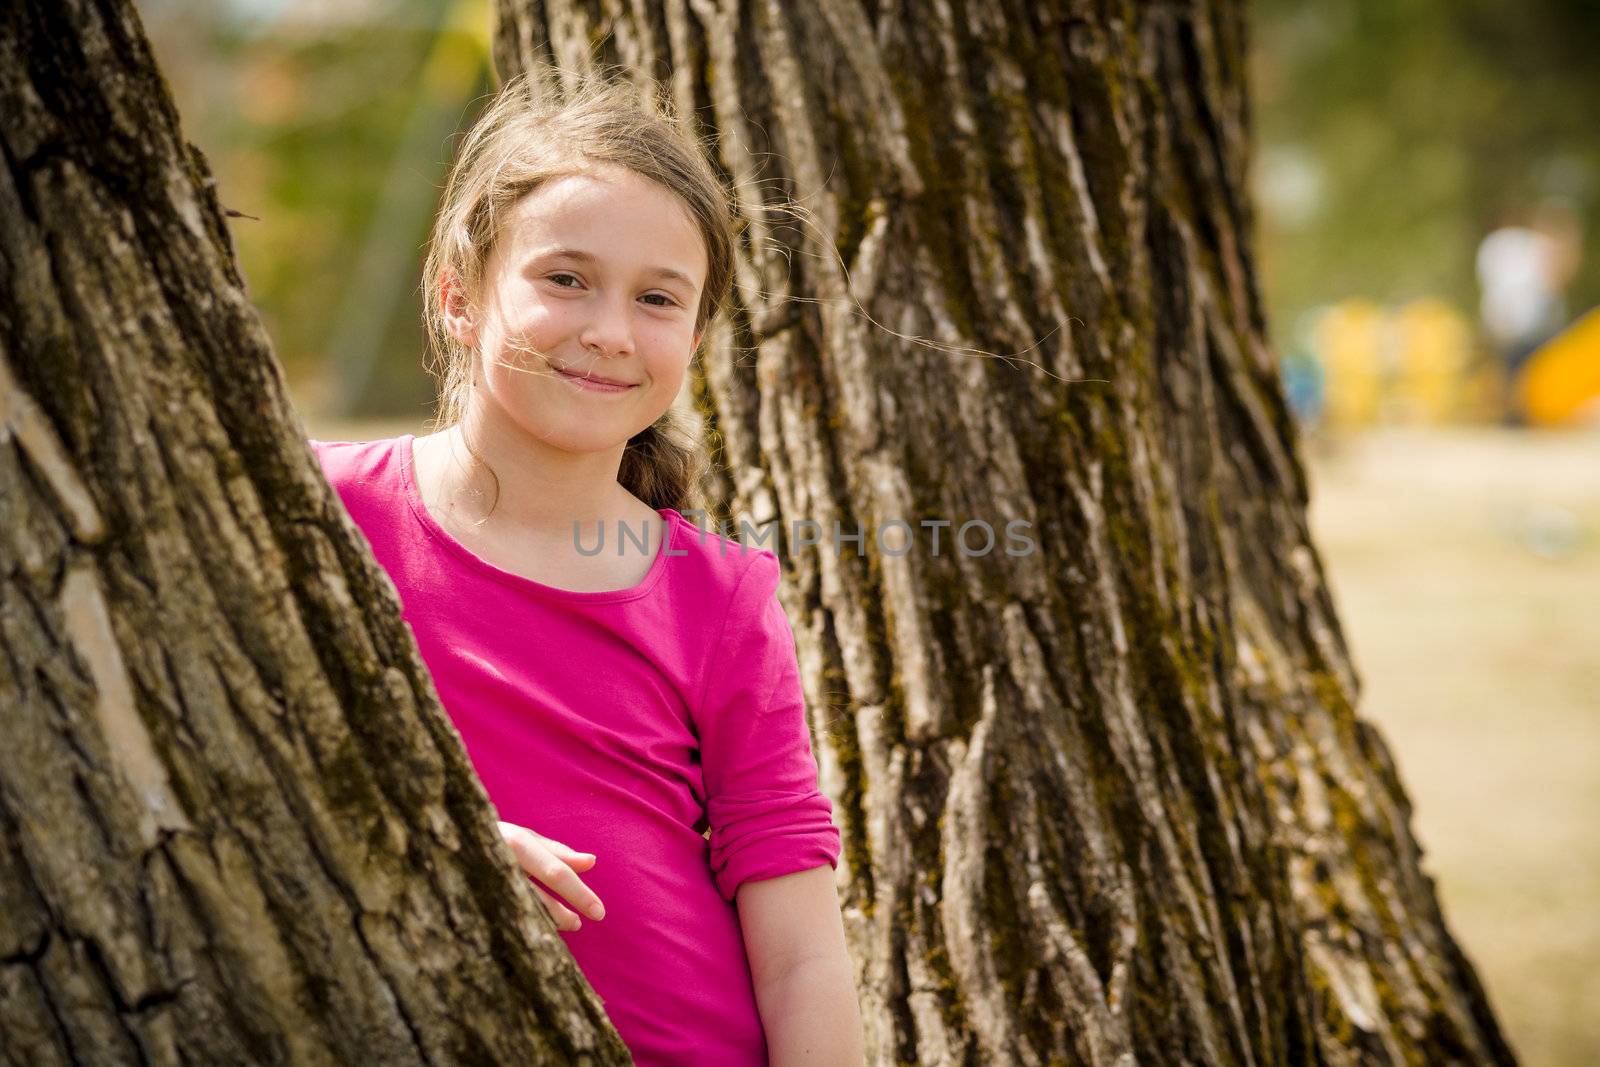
(804, 981)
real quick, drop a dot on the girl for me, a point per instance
(640, 703)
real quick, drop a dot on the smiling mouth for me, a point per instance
(594, 379)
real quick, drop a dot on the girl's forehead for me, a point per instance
(607, 211)
(587, 197)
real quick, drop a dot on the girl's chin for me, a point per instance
(580, 436)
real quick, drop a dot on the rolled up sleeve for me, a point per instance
(767, 815)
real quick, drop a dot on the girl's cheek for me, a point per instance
(668, 337)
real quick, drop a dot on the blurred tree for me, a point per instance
(329, 126)
(361, 343)
(1107, 801)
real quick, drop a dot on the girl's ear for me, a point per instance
(457, 310)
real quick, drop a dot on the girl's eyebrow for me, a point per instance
(589, 257)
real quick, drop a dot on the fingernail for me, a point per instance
(598, 911)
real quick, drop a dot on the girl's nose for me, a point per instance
(608, 332)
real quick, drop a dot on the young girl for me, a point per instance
(618, 704)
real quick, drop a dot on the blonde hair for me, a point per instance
(535, 130)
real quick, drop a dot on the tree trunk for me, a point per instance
(235, 824)
(1107, 801)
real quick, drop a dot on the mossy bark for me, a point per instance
(235, 824)
(1109, 801)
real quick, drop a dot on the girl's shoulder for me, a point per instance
(362, 472)
(735, 573)
(355, 458)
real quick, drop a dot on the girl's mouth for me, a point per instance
(598, 385)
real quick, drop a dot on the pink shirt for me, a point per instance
(623, 723)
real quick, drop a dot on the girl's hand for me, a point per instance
(557, 866)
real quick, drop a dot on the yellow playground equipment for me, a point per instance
(1349, 340)
(1432, 345)
(1409, 364)
(1560, 383)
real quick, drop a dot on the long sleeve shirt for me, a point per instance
(660, 727)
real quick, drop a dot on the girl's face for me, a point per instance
(596, 278)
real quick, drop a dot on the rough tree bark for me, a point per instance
(1110, 801)
(235, 824)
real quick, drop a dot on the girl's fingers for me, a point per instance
(542, 861)
(562, 879)
(572, 857)
(579, 863)
(565, 880)
(563, 916)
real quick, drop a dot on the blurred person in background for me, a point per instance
(1524, 268)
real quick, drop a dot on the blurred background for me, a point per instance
(1427, 179)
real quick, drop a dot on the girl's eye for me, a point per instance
(555, 278)
(666, 301)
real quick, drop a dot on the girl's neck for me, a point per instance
(484, 474)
